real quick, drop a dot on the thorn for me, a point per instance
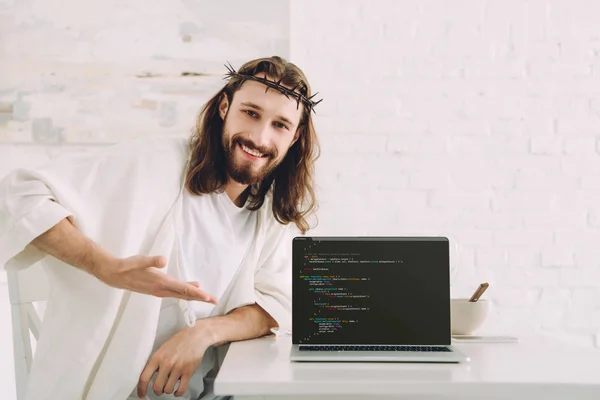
(313, 95)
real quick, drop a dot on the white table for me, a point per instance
(260, 369)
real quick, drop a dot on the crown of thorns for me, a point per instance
(307, 101)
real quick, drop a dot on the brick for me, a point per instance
(516, 297)
(590, 182)
(524, 237)
(522, 200)
(519, 257)
(545, 180)
(485, 220)
(538, 163)
(578, 198)
(550, 318)
(582, 126)
(558, 299)
(355, 143)
(574, 277)
(490, 258)
(556, 70)
(587, 257)
(586, 298)
(477, 144)
(415, 142)
(431, 221)
(540, 126)
(549, 219)
(583, 164)
(455, 126)
(429, 179)
(488, 69)
(557, 257)
(401, 199)
(576, 238)
(372, 172)
(580, 146)
(529, 276)
(583, 320)
(478, 176)
(546, 145)
(463, 200)
(593, 219)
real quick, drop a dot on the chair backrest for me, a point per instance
(24, 289)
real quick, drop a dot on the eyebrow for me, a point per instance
(259, 108)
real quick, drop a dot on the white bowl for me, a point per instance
(466, 316)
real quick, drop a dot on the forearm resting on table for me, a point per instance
(247, 322)
(65, 242)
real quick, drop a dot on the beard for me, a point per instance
(245, 171)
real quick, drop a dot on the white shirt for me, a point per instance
(111, 332)
(213, 236)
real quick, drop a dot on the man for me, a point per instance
(158, 250)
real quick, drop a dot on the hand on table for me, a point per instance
(176, 360)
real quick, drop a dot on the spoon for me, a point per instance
(482, 288)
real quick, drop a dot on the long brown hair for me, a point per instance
(292, 181)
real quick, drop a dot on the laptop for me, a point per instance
(372, 299)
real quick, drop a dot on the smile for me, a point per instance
(251, 152)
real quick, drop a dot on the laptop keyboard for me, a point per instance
(374, 348)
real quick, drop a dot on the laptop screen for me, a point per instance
(371, 291)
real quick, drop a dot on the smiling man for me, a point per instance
(160, 250)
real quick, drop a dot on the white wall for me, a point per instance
(475, 120)
(479, 120)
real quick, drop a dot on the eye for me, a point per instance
(280, 125)
(251, 113)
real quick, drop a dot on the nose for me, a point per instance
(260, 134)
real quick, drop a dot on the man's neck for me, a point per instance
(237, 192)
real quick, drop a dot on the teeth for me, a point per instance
(252, 152)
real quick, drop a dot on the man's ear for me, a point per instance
(223, 106)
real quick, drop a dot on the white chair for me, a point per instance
(24, 288)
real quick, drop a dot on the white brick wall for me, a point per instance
(484, 120)
(479, 120)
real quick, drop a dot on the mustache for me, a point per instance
(248, 143)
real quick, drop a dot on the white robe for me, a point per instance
(95, 340)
